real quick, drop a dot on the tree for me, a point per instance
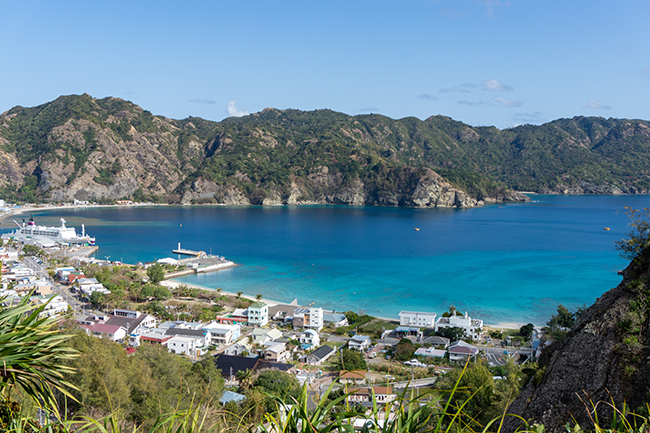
(638, 239)
(156, 273)
(454, 333)
(278, 383)
(161, 293)
(258, 297)
(404, 350)
(351, 360)
(526, 331)
(31, 250)
(245, 378)
(97, 300)
(239, 294)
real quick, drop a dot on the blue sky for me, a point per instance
(483, 62)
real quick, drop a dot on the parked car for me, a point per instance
(414, 363)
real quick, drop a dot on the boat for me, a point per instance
(62, 235)
(606, 228)
(417, 229)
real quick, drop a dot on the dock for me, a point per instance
(185, 252)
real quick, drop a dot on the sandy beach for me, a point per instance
(174, 284)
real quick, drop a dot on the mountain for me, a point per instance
(106, 149)
(602, 362)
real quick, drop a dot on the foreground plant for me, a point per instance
(33, 354)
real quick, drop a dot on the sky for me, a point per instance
(482, 62)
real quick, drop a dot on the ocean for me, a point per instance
(501, 263)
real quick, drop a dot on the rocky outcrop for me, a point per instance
(604, 360)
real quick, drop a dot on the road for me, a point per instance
(41, 272)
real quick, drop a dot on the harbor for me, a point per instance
(199, 263)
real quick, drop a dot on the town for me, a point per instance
(245, 336)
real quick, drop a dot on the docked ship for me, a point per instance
(31, 233)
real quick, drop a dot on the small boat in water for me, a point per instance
(606, 228)
(417, 229)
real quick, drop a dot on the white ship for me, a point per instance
(32, 233)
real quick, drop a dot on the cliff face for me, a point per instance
(106, 149)
(604, 359)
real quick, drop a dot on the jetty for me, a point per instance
(184, 252)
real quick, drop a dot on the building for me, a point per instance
(102, 330)
(258, 314)
(460, 351)
(135, 323)
(277, 352)
(223, 334)
(417, 318)
(187, 346)
(473, 327)
(357, 377)
(261, 335)
(202, 337)
(336, 320)
(319, 355)
(359, 342)
(430, 352)
(308, 318)
(309, 338)
(382, 395)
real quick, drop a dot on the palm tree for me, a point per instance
(34, 354)
(258, 297)
(239, 294)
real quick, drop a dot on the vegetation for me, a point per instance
(321, 152)
(351, 360)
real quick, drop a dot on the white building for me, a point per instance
(308, 318)
(186, 346)
(55, 305)
(309, 338)
(417, 318)
(473, 327)
(359, 342)
(258, 314)
(223, 334)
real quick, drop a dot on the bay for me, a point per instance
(506, 263)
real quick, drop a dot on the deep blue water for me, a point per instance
(512, 263)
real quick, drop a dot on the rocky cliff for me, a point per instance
(603, 362)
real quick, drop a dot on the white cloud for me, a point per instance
(233, 111)
(461, 88)
(470, 103)
(202, 101)
(427, 96)
(507, 102)
(496, 85)
(597, 105)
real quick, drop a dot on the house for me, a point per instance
(335, 320)
(382, 395)
(134, 323)
(461, 351)
(309, 338)
(357, 377)
(102, 330)
(473, 327)
(54, 304)
(258, 314)
(431, 352)
(308, 318)
(186, 346)
(359, 342)
(319, 355)
(229, 396)
(417, 318)
(155, 336)
(202, 337)
(230, 365)
(436, 341)
(281, 312)
(277, 352)
(261, 335)
(223, 334)
(237, 349)
(89, 285)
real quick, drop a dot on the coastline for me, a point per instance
(175, 284)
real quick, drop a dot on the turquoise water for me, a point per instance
(512, 263)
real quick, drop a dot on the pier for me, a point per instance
(185, 252)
